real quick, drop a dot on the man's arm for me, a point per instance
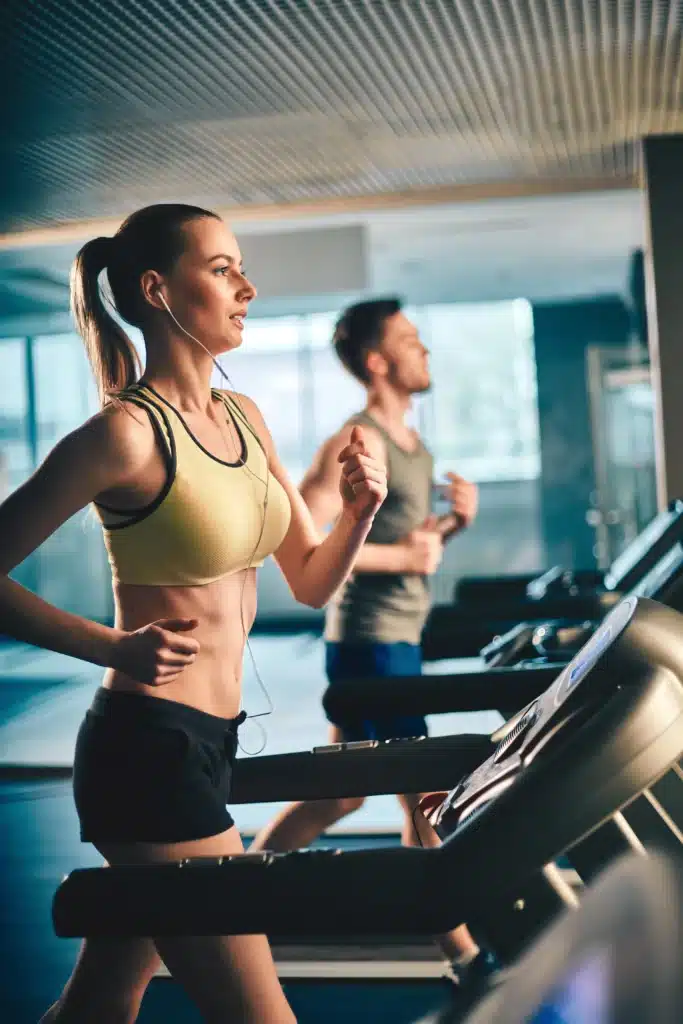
(418, 553)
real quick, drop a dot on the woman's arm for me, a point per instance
(314, 567)
(320, 491)
(81, 465)
(111, 450)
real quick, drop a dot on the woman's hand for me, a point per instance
(157, 653)
(363, 485)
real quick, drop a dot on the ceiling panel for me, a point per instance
(118, 103)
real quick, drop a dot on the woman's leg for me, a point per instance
(229, 978)
(107, 984)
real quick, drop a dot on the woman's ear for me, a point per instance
(151, 285)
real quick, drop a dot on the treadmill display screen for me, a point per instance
(584, 996)
(592, 653)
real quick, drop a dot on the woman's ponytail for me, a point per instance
(113, 357)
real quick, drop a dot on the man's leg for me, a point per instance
(403, 659)
(457, 944)
(474, 969)
(298, 824)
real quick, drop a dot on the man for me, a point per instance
(374, 623)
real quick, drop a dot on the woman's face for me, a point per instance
(206, 289)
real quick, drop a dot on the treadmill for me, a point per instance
(419, 764)
(606, 733)
(654, 816)
(461, 629)
(520, 664)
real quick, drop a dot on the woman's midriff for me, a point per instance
(225, 611)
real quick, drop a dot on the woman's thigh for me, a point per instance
(228, 977)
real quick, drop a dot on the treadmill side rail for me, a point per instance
(395, 766)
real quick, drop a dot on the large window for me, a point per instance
(286, 364)
(47, 391)
(64, 387)
(269, 367)
(481, 413)
(15, 448)
(480, 420)
(16, 438)
(335, 393)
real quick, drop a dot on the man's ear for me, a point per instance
(376, 363)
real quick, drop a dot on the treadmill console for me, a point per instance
(520, 740)
(557, 641)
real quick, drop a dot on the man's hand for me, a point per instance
(463, 497)
(423, 548)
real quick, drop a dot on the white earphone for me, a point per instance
(265, 482)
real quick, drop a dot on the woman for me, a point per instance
(192, 498)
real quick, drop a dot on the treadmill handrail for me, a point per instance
(421, 765)
(632, 738)
(353, 699)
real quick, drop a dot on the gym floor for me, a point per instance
(42, 699)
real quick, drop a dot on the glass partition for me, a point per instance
(16, 460)
(71, 569)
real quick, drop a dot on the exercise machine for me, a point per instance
(520, 664)
(461, 629)
(605, 733)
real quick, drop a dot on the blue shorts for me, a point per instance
(359, 660)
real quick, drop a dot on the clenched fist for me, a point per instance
(363, 484)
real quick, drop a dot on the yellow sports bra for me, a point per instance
(211, 518)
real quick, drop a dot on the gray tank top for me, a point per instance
(388, 607)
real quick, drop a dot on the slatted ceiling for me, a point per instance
(117, 103)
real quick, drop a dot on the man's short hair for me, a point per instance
(359, 330)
